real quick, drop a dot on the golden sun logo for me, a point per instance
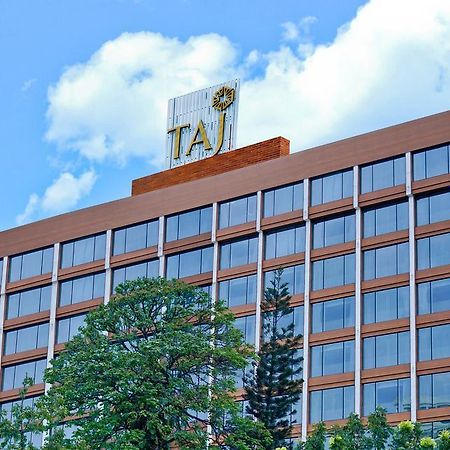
(223, 98)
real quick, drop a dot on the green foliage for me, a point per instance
(15, 433)
(427, 443)
(145, 371)
(407, 435)
(245, 434)
(275, 384)
(316, 440)
(444, 440)
(378, 429)
(375, 435)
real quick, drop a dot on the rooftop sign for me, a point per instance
(202, 124)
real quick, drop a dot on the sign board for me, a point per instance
(202, 124)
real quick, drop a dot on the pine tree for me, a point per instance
(275, 385)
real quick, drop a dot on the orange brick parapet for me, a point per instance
(225, 162)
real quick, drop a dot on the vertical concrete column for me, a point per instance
(259, 271)
(3, 302)
(215, 221)
(358, 296)
(108, 272)
(161, 234)
(305, 395)
(412, 286)
(53, 306)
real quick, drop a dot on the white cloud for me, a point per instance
(115, 105)
(391, 63)
(63, 194)
(298, 31)
(290, 31)
(28, 84)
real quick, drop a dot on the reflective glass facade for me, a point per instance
(364, 242)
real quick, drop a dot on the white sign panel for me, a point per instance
(202, 124)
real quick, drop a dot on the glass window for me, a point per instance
(383, 174)
(190, 263)
(295, 317)
(386, 350)
(190, 223)
(387, 304)
(393, 395)
(333, 272)
(285, 242)
(28, 302)
(84, 250)
(333, 314)
(432, 209)
(235, 212)
(386, 261)
(24, 339)
(294, 276)
(331, 404)
(433, 251)
(13, 376)
(283, 199)
(1, 270)
(135, 237)
(330, 359)
(31, 264)
(81, 289)
(238, 253)
(29, 402)
(334, 231)
(238, 291)
(247, 326)
(149, 269)
(433, 342)
(385, 219)
(67, 328)
(434, 390)
(431, 163)
(433, 429)
(433, 296)
(334, 186)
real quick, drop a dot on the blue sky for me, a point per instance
(84, 83)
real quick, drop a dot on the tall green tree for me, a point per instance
(275, 385)
(152, 369)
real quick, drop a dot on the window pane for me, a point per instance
(283, 200)
(383, 175)
(31, 264)
(333, 315)
(441, 390)
(332, 187)
(83, 251)
(440, 207)
(136, 238)
(189, 224)
(119, 242)
(171, 228)
(436, 161)
(333, 402)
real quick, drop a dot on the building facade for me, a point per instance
(360, 226)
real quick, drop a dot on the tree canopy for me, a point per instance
(153, 368)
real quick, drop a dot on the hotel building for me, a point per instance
(360, 226)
